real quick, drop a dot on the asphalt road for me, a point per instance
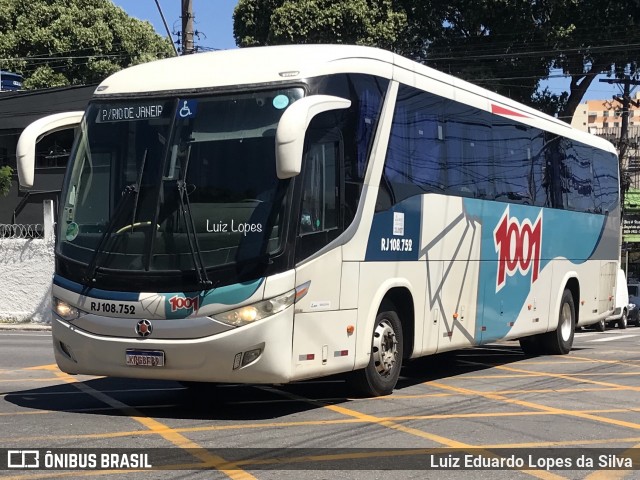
(483, 404)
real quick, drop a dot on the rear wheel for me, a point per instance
(601, 326)
(380, 376)
(622, 323)
(560, 341)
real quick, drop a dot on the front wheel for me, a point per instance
(380, 376)
(601, 326)
(560, 341)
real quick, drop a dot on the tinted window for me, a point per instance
(443, 146)
(469, 169)
(605, 181)
(514, 163)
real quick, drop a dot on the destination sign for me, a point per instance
(128, 113)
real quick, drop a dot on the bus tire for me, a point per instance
(560, 341)
(531, 345)
(601, 326)
(380, 376)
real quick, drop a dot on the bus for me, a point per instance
(275, 214)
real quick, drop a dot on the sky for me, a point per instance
(214, 21)
(213, 18)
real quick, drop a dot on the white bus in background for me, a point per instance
(624, 311)
(275, 214)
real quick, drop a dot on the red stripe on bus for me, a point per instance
(505, 111)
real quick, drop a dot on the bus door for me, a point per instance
(321, 343)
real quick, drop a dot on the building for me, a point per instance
(604, 118)
(17, 110)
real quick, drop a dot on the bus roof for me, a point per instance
(265, 65)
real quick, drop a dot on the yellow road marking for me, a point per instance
(530, 373)
(600, 360)
(25, 379)
(50, 367)
(343, 421)
(572, 377)
(536, 406)
(179, 440)
(563, 443)
(632, 453)
(545, 475)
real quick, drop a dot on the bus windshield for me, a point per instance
(175, 183)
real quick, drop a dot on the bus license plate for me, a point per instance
(145, 358)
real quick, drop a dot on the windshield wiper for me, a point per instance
(138, 186)
(111, 225)
(192, 237)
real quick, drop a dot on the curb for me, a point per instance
(31, 327)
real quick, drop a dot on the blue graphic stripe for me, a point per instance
(95, 292)
(565, 234)
(227, 295)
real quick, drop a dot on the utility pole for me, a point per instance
(623, 142)
(623, 146)
(187, 27)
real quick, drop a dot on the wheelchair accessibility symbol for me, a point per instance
(187, 108)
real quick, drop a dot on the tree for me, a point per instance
(5, 180)
(73, 42)
(277, 22)
(491, 43)
(478, 40)
(507, 46)
(591, 37)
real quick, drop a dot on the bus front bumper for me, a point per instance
(265, 347)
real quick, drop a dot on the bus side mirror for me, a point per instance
(26, 148)
(293, 126)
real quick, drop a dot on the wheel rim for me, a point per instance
(565, 322)
(385, 348)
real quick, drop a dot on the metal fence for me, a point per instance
(35, 230)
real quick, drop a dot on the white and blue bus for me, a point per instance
(273, 214)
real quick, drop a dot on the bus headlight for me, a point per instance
(66, 311)
(257, 311)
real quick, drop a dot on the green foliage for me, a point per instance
(488, 42)
(447, 35)
(5, 180)
(278, 22)
(507, 46)
(73, 42)
(550, 103)
(591, 37)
